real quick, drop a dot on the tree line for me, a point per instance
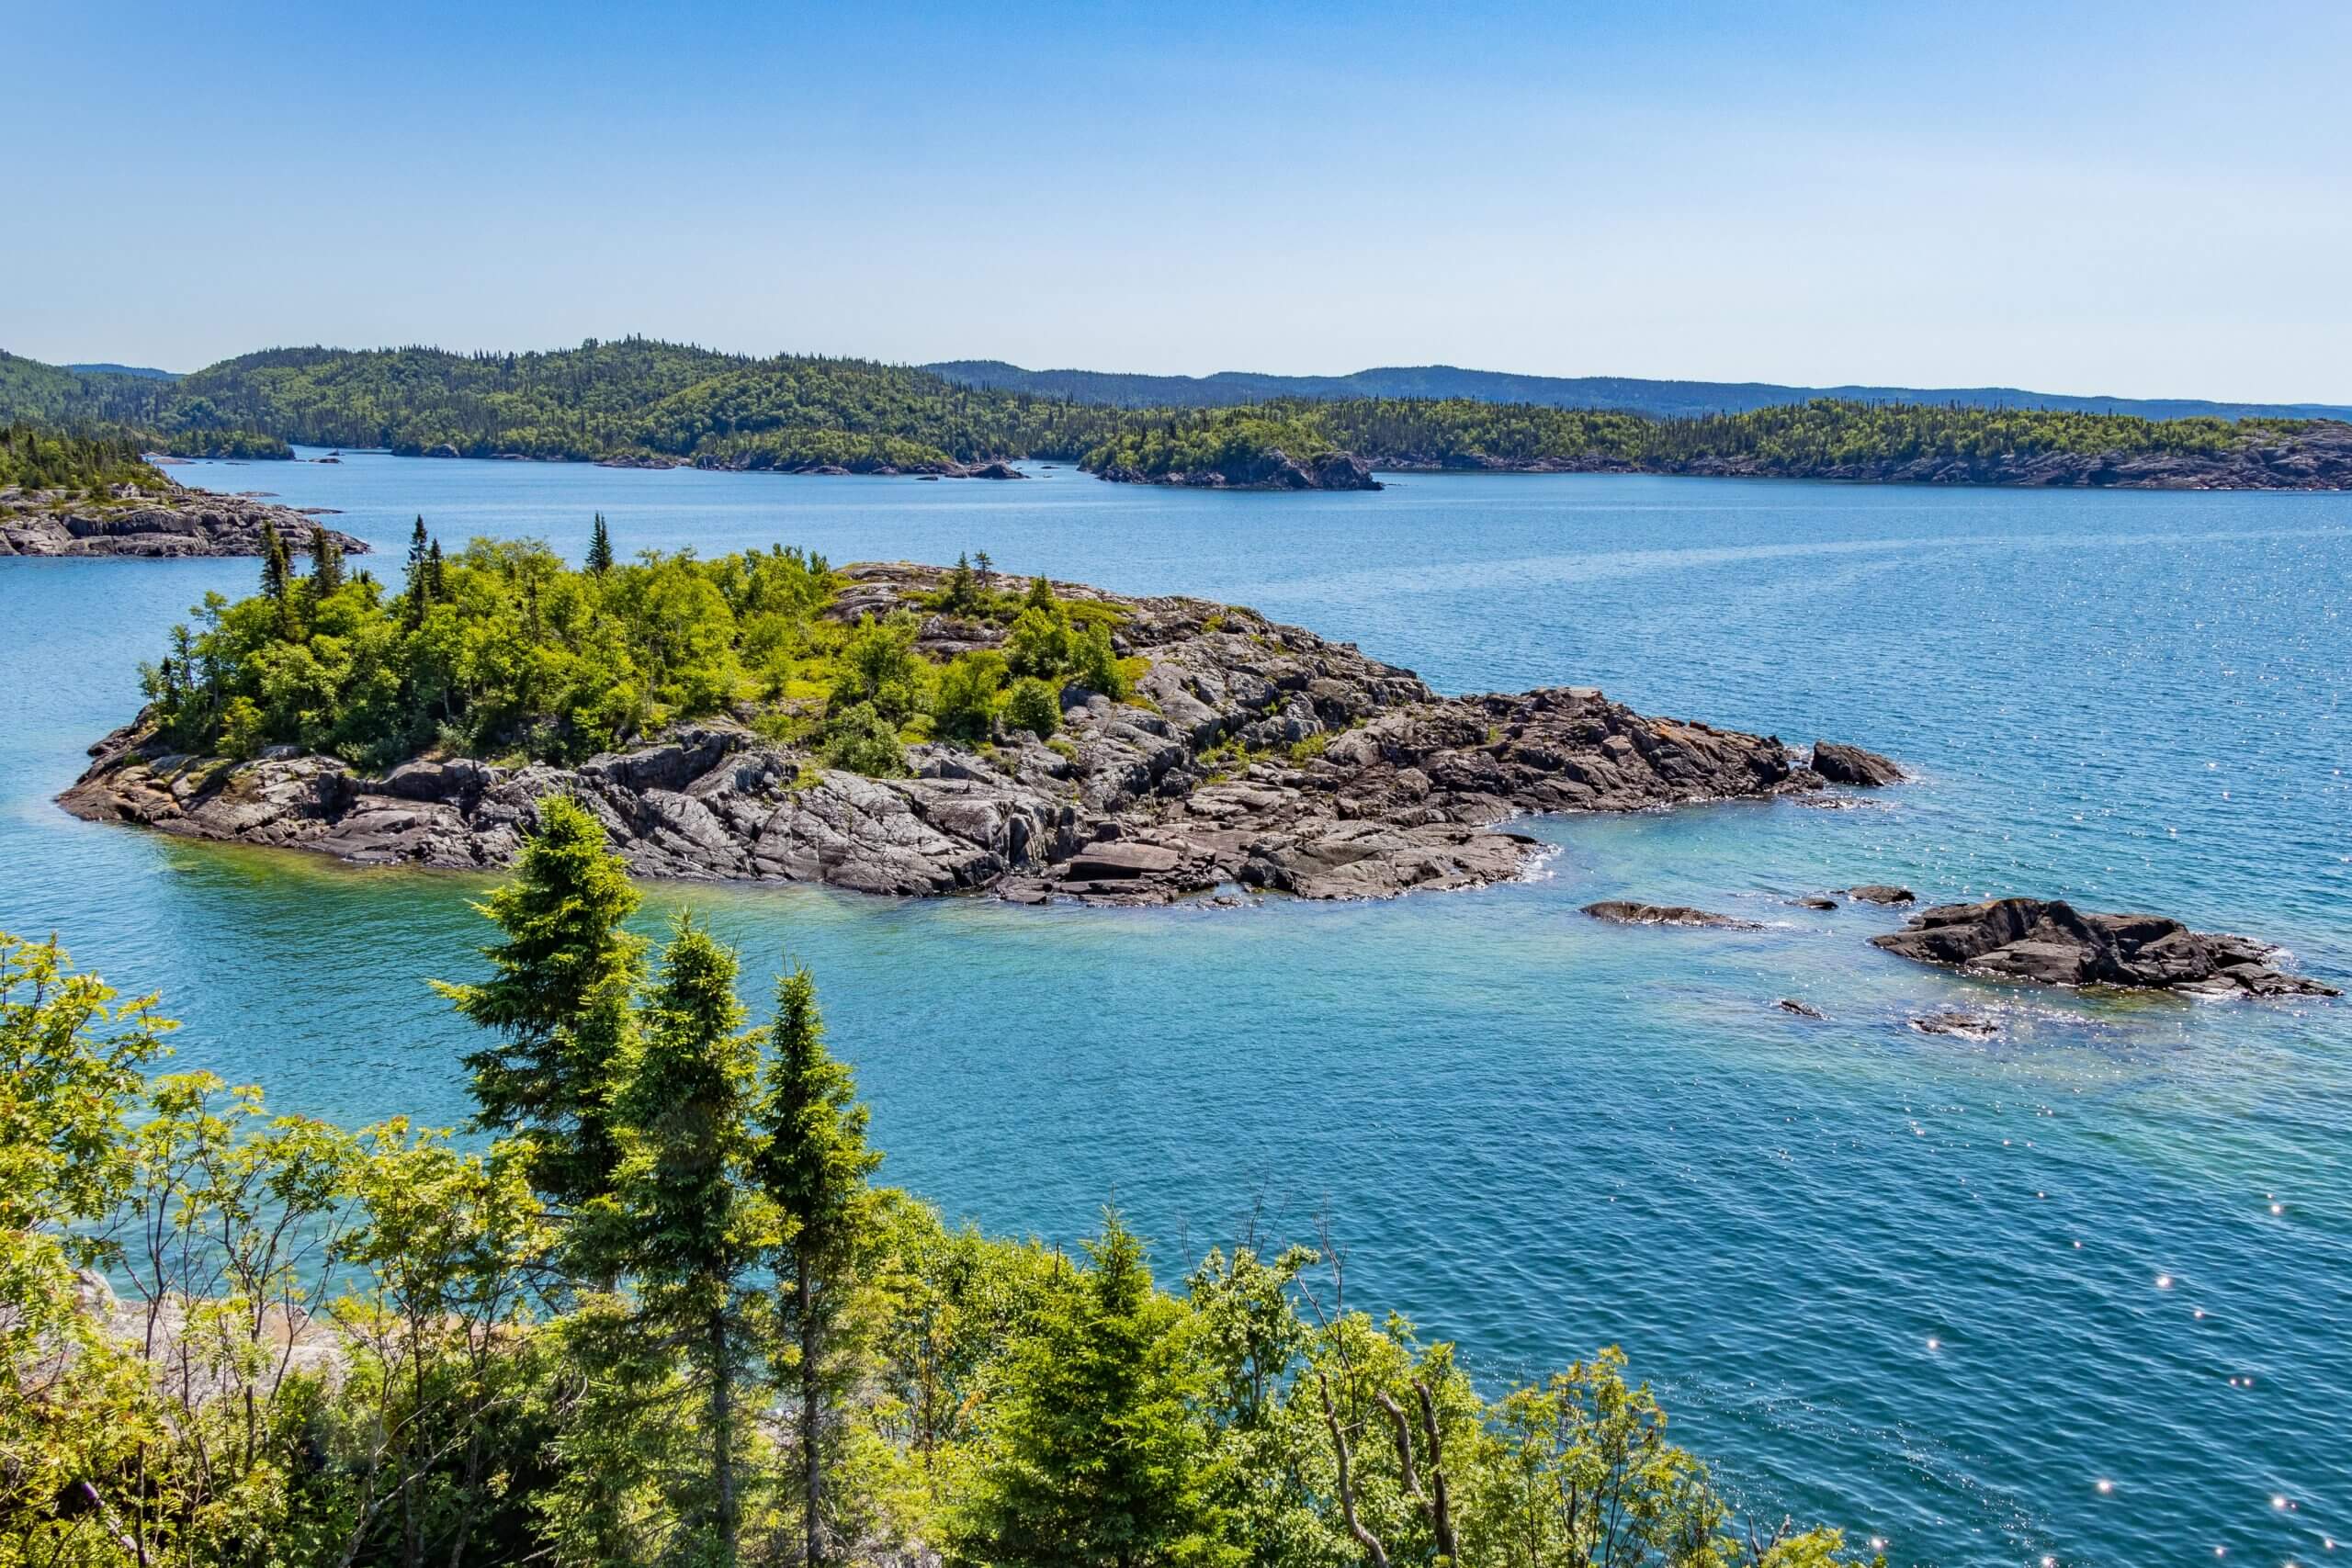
(655, 1308)
(503, 650)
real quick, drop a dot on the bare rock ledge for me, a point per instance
(2052, 943)
(1357, 781)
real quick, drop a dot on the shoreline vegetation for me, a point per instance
(635, 403)
(888, 728)
(655, 1307)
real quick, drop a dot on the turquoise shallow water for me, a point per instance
(1536, 1134)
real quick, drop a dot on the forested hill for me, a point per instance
(1632, 395)
(1827, 438)
(634, 399)
(628, 399)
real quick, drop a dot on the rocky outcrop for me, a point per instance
(1622, 912)
(131, 521)
(1852, 765)
(1253, 754)
(1271, 469)
(2052, 943)
(1882, 893)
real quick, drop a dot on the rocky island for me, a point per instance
(2050, 942)
(167, 521)
(1244, 752)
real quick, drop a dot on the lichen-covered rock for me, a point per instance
(2052, 943)
(1253, 754)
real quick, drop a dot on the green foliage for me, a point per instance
(860, 741)
(880, 668)
(499, 649)
(812, 1169)
(969, 689)
(1033, 705)
(1095, 1451)
(1821, 436)
(87, 464)
(558, 1003)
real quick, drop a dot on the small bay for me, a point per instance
(1848, 1252)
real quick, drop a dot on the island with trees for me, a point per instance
(64, 493)
(892, 728)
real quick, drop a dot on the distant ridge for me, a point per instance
(1634, 395)
(106, 368)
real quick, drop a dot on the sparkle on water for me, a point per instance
(1537, 1134)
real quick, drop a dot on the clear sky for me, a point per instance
(2141, 198)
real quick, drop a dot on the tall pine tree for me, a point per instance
(559, 1000)
(683, 1219)
(813, 1167)
(326, 562)
(600, 548)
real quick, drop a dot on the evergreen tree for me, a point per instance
(326, 562)
(436, 584)
(559, 1001)
(683, 1218)
(813, 1167)
(1096, 1451)
(275, 563)
(415, 595)
(600, 548)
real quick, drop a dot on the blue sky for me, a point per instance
(2145, 198)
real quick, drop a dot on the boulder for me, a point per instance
(1852, 765)
(1624, 913)
(1882, 893)
(2048, 941)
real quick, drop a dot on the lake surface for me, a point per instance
(1905, 1284)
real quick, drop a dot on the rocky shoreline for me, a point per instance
(178, 523)
(2316, 458)
(1272, 469)
(1255, 755)
(753, 463)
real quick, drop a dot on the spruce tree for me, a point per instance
(326, 562)
(1097, 1447)
(813, 1167)
(415, 594)
(559, 1001)
(274, 563)
(600, 548)
(437, 585)
(683, 1219)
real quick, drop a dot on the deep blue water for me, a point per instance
(1900, 1283)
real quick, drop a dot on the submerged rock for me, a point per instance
(1852, 765)
(1966, 1025)
(1254, 754)
(1802, 1010)
(1625, 913)
(1814, 901)
(2052, 943)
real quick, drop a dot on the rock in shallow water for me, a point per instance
(2052, 943)
(1882, 893)
(1852, 765)
(1966, 1025)
(1625, 913)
